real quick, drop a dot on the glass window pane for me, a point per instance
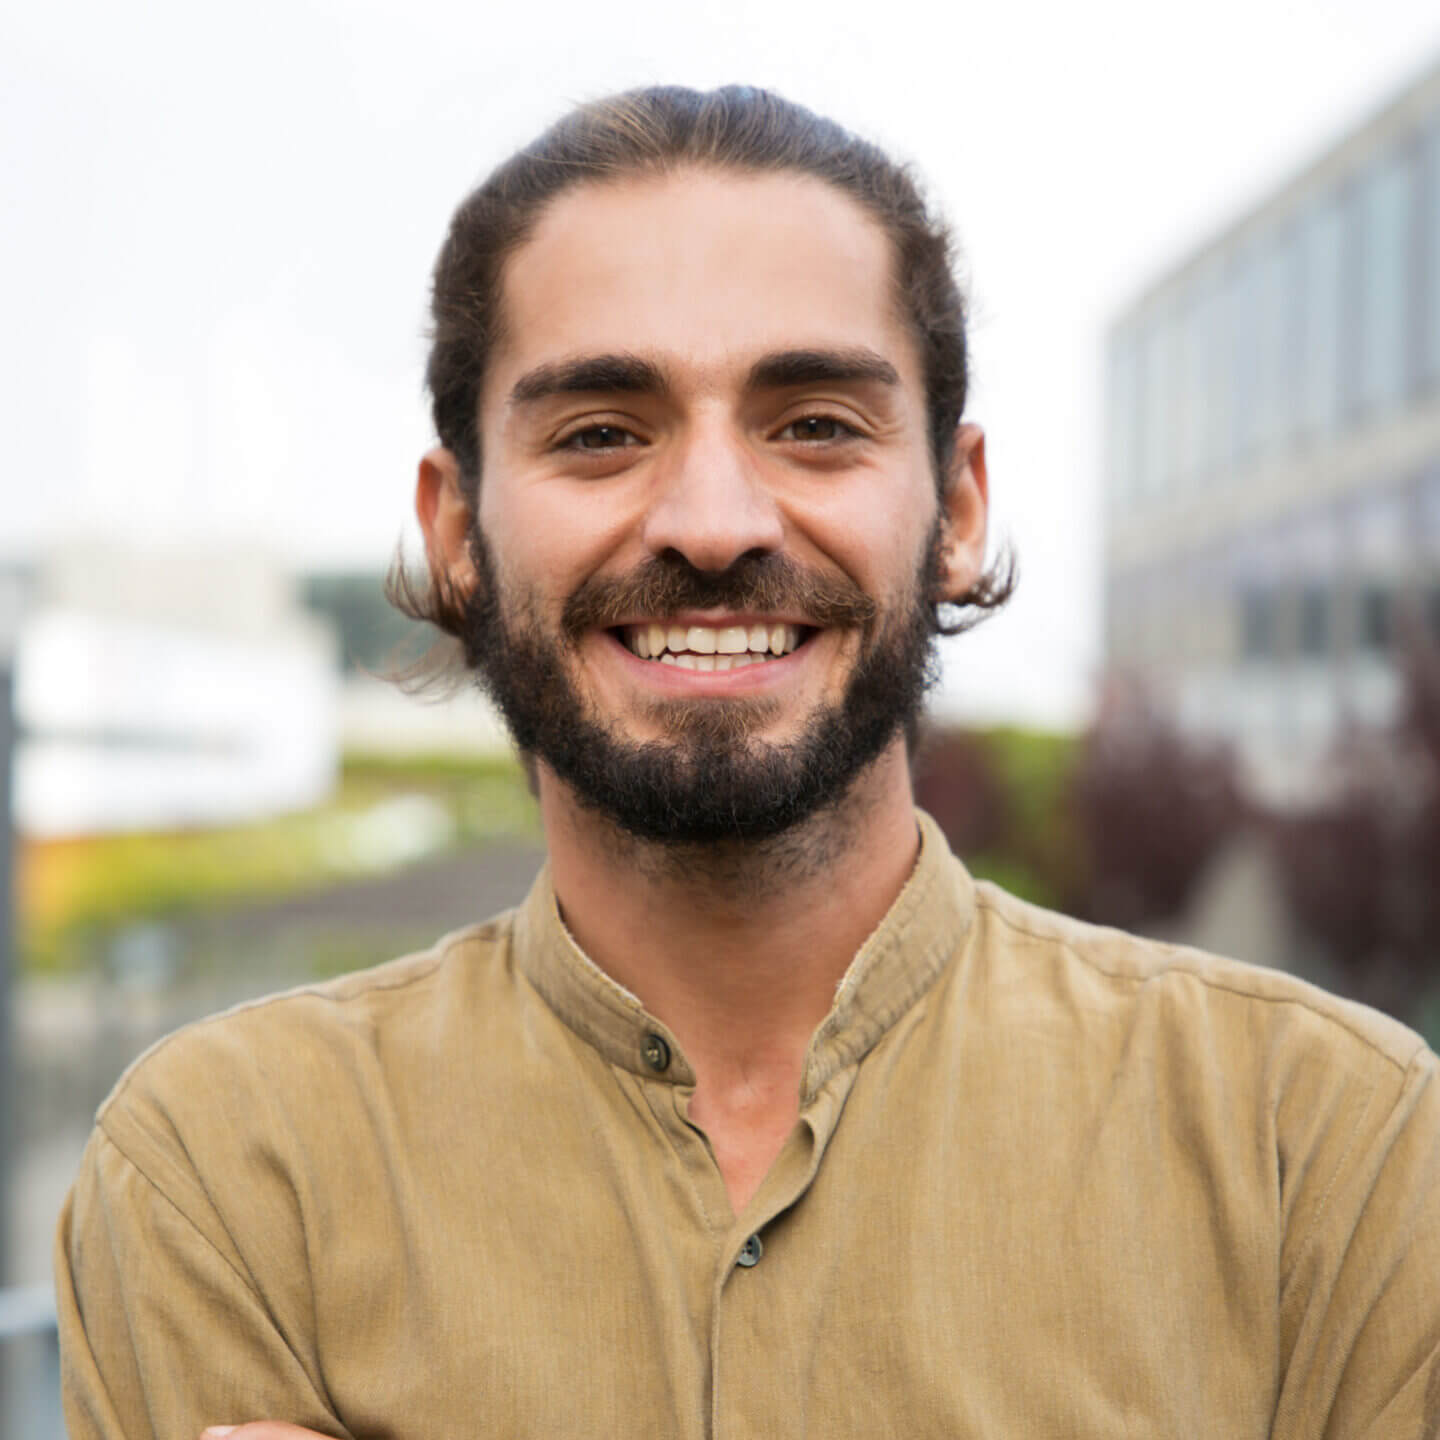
(1427, 516)
(1274, 302)
(1257, 623)
(1243, 357)
(1318, 374)
(1158, 368)
(1386, 217)
(1376, 618)
(1430, 349)
(1122, 420)
(1140, 393)
(1314, 620)
(1189, 390)
(1220, 376)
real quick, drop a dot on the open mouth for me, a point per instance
(712, 647)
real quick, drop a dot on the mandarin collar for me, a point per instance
(897, 964)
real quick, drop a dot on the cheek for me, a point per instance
(558, 534)
(881, 543)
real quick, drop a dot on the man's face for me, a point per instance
(708, 530)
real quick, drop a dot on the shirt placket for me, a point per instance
(748, 1380)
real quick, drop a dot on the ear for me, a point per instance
(445, 518)
(964, 514)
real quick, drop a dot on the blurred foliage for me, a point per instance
(1361, 868)
(1116, 825)
(1002, 797)
(1153, 808)
(384, 813)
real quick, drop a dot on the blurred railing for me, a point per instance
(29, 1365)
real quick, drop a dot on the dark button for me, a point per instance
(750, 1252)
(657, 1053)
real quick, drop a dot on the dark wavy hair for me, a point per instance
(652, 132)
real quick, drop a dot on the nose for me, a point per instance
(711, 504)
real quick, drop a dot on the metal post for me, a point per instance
(9, 1101)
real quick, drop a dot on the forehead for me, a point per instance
(702, 270)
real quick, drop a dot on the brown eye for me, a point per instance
(601, 437)
(818, 428)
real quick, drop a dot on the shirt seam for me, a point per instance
(321, 1390)
(1209, 982)
(1404, 1088)
(1323, 1205)
(154, 1185)
(437, 958)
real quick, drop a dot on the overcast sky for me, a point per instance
(218, 226)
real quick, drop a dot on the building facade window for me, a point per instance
(1427, 518)
(1274, 348)
(1124, 419)
(1376, 628)
(1189, 393)
(1430, 250)
(1385, 199)
(1321, 246)
(1247, 298)
(1208, 374)
(1314, 627)
(1219, 379)
(1141, 480)
(1258, 615)
(1159, 449)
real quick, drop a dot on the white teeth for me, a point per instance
(724, 662)
(704, 662)
(739, 644)
(688, 662)
(668, 659)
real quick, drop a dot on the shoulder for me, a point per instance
(296, 1059)
(1110, 976)
(1281, 1090)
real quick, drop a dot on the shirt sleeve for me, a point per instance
(163, 1330)
(1360, 1303)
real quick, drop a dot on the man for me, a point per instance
(759, 1117)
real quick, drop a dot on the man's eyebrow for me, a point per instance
(590, 373)
(810, 367)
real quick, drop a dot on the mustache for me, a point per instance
(763, 584)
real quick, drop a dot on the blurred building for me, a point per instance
(1273, 455)
(377, 717)
(169, 687)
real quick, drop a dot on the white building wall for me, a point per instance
(160, 689)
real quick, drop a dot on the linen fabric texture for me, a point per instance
(1048, 1180)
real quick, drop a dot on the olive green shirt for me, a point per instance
(1048, 1181)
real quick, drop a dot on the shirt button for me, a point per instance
(750, 1252)
(657, 1053)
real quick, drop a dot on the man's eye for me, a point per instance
(817, 427)
(599, 437)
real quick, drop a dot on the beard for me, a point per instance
(709, 780)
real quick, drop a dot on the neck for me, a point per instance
(738, 950)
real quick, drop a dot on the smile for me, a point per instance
(712, 647)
